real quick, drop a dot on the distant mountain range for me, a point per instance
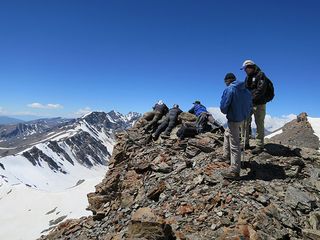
(9, 120)
(58, 144)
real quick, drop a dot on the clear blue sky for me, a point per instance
(125, 55)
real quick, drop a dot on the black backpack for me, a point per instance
(270, 90)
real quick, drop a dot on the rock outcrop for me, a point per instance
(299, 133)
(172, 189)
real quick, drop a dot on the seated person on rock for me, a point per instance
(169, 123)
(159, 110)
(201, 125)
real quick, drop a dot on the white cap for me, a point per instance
(247, 63)
(160, 102)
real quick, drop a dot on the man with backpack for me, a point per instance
(262, 92)
(169, 123)
(236, 103)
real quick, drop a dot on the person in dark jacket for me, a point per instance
(160, 109)
(169, 123)
(256, 82)
(203, 117)
(236, 103)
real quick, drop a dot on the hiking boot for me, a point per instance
(165, 136)
(154, 137)
(230, 175)
(257, 151)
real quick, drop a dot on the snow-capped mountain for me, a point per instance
(25, 129)
(51, 161)
(303, 131)
(57, 146)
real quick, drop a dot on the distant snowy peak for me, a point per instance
(112, 119)
(132, 116)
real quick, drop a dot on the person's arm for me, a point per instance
(166, 109)
(226, 100)
(191, 110)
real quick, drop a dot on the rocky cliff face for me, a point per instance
(173, 189)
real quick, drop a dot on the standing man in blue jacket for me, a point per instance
(236, 103)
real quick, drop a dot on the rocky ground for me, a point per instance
(173, 189)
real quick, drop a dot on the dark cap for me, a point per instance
(230, 76)
(197, 102)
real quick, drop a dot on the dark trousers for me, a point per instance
(154, 121)
(167, 125)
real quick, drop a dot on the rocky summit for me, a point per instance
(173, 189)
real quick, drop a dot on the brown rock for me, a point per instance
(145, 224)
(185, 209)
(154, 193)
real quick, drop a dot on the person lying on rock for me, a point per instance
(169, 123)
(203, 117)
(236, 103)
(159, 110)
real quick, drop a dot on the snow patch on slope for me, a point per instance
(19, 170)
(274, 134)
(18, 218)
(315, 124)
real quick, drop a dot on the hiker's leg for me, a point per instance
(170, 126)
(161, 128)
(245, 131)
(226, 144)
(260, 113)
(234, 137)
(156, 118)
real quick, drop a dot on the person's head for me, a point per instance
(175, 106)
(249, 67)
(160, 102)
(197, 102)
(229, 78)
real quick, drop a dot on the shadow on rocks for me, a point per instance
(279, 150)
(265, 171)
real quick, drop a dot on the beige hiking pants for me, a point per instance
(231, 145)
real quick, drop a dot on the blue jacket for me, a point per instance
(236, 102)
(197, 109)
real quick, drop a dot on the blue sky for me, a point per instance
(77, 55)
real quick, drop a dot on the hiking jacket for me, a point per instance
(197, 109)
(236, 102)
(174, 113)
(257, 85)
(163, 109)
